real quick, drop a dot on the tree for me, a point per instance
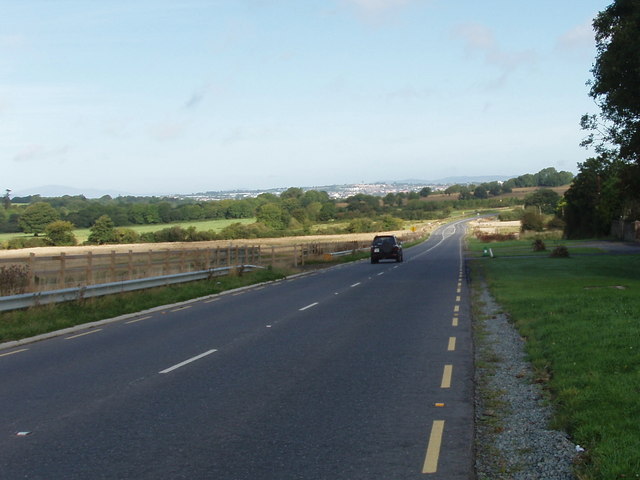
(36, 217)
(103, 231)
(616, 76)
(425, 192)
(6, 200)
(593, 200)
(544, 199)
(273, 216)
(60, 233)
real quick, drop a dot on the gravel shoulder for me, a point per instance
(513, 439)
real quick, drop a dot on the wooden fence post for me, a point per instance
(295, 255)
(112, 266)
(61, 273)
(89, 274)
(130, 266)
(32, 275)
(149, 271)
(273, 255)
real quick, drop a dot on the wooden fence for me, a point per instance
(53, 272)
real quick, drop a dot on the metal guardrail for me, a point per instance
(25, 300)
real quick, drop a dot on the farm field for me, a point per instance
(82, 234)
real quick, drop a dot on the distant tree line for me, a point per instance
(294, 211)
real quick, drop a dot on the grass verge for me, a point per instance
(580, 317)
(20, 324)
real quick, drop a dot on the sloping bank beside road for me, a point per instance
(578, 320)
(513, 438)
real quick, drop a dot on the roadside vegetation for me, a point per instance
(18, 324)
(579, 317)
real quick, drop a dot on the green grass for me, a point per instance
(34, 321)
(581, 319)
(82, 234)
(512, 248)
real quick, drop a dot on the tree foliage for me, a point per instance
(103, 231)
(60, 233)
(37, 216)
(616, 76)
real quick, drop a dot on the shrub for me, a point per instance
(13, 279)
(511, 215)
(27, 242)
(60, 233)
(361, 225)
(538, 245)
(126, 235)
(532, 220)
(560, 252)
(556, 223)
(495, 237)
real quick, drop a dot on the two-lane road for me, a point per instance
(356, 372)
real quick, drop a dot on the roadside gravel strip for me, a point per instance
(513, 440)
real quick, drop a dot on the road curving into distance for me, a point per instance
(359, 371)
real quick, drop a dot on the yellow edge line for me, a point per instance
(433, 449)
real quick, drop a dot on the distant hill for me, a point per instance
(61, 190)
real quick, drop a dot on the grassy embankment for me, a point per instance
(20, 324)
(580, 317)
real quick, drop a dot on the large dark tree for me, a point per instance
(616, 80)
(608, 186)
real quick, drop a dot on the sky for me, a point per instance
(184, 96)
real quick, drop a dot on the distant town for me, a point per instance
(339, 191)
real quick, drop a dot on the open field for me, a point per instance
(580, 319)
(82, 234)
(516, 193)
(423, 227)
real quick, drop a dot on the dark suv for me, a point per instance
(386, 247)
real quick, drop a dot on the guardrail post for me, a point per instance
(207, 263)
(295, 255)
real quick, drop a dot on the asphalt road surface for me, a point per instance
(355, 372)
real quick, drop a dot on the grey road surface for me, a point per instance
(356, 372)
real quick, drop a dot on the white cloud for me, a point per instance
(167, 131)
(578, 38)
(378, 5)
(480, 40)
(35, 153)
